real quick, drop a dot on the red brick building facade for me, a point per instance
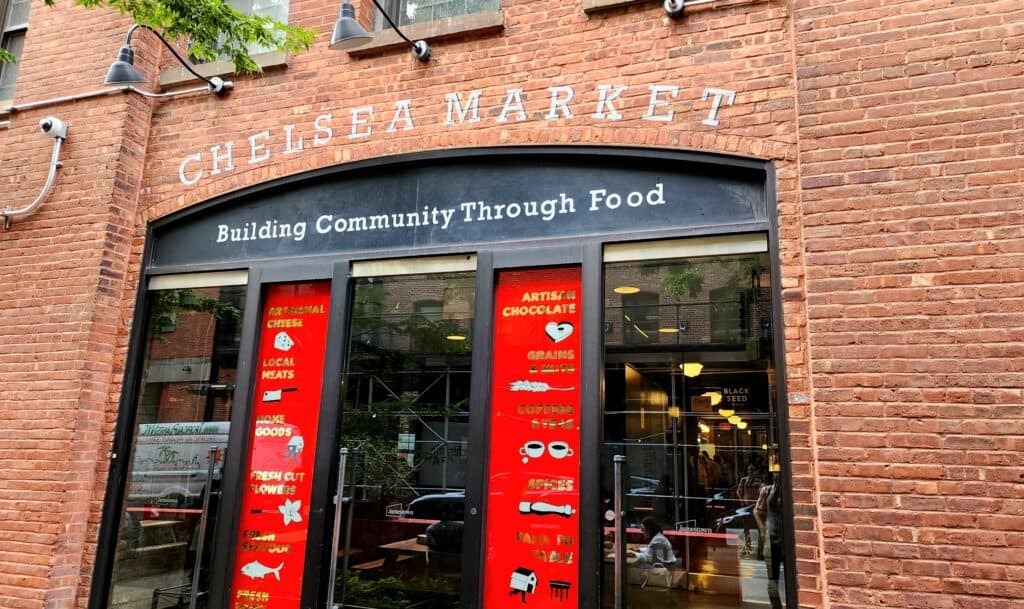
(896, 134)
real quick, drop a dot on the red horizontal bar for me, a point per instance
(164, 510)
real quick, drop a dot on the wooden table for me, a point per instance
(404, 549)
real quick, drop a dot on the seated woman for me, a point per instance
(659, 549)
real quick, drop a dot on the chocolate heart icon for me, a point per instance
(558, 331)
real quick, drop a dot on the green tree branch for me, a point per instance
(211, 27)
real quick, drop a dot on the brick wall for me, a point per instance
(911, 166)
(895, 128)
(61, 311)
(62, 295)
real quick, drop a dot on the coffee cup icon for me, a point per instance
(531, 450)
(560, 450)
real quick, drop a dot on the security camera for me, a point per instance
(54, 127)
(674, 8)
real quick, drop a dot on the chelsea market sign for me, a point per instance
(358, 123)
(466, 212)
(501, 196)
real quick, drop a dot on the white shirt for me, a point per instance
(658, 550)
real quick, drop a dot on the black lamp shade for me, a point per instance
(122, 71)
(348, 34)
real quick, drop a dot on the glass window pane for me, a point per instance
(17, 15)
(183, 411)
(405, 12)
(405, 421)
(690, 403)
(13, 44)
(275, 9)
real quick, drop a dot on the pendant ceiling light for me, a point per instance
(716, 397)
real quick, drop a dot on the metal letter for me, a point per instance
(657, 90)
(403, 112)
(560, 104)
(326, 130)
(255, 147)
(192, 158)
(730, 97)
(513, 101)
(289, 148)
(356, 122)
(455, 107)
(218, 157)
(606, 102)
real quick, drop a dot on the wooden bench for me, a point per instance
(377, 564)
(160, 547)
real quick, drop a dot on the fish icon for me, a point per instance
(258, 570)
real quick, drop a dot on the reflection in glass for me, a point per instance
(701, 498)
(406, 12)
(183, 410)
(405, 422)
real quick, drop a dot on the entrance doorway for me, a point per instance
(691, 445)
(405, 436)
(687, 435)
(184, 401)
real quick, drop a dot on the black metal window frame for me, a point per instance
(586, 252)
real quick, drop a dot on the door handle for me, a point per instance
(620, 535)
(339, 500)
(197, 566)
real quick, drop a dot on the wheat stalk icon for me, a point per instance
(535, 387)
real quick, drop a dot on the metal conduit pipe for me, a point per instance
(675, 8)
(56, 129)
(119, 89)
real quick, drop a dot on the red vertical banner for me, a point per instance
(270, 556)
(532, 538)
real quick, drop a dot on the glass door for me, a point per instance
(184, 406)
(404, 435)
(689, 414)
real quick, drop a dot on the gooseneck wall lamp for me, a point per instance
(348, 34)
(123, 72)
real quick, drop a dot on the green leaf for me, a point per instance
(211, 28)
